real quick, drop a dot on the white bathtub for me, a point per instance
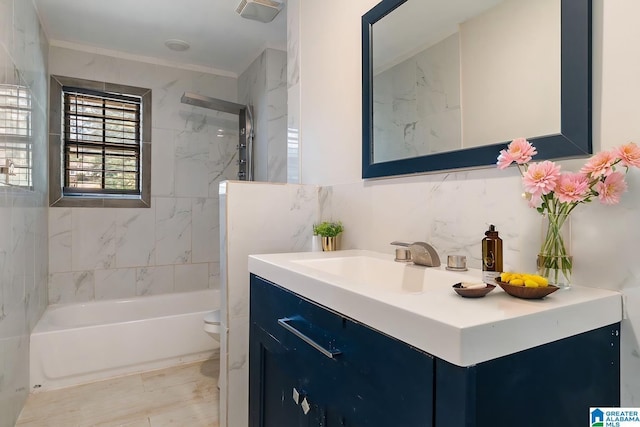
(78, 343)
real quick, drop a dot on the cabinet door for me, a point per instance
(386, 382)
(554, 384)
(276, 396)
(270, 400)
(373, 380)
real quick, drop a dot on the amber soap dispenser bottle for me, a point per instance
(491, 255)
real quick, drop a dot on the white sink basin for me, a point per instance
(417, 305)
(374, 272)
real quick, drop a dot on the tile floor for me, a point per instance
(185, 395)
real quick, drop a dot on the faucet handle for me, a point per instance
(421, 253)
(402, 254)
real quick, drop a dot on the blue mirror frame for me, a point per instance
(574, 139)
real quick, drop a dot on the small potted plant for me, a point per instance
(328, 231)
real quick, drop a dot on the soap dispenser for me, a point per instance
(491, 255)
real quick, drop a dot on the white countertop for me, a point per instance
(462, 331)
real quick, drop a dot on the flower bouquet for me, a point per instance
(556, 194)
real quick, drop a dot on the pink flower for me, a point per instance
(629, 154)
(519, 151)
(572, 187)
(610, 190)
(600, 164)
(541, 178)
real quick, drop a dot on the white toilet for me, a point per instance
(212, 327)
(212, 324)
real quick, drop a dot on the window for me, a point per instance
(15, 136)
(101, 144)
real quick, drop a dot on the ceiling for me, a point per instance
(220, 39)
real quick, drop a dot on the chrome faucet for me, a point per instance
(421, 253)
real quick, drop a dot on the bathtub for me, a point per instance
(79, 343)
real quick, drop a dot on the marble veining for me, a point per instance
(194, 149)
(417, 102)
(293, 210)
(154, 280)
(263, 85)
(191, 173)
(135, 237)
(60, 240)
(78, 286)
(173, 231)
(93, 238)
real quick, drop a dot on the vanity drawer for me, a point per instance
(360, 371)
(272, 306)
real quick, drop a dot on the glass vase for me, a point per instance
(555, 261)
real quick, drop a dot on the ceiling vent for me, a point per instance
(259, 10)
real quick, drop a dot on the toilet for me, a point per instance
(212, 327)
(212, 324)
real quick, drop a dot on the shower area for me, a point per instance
(225, 126)
(252, 130)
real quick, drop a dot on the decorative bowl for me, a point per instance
(525, 292)
(472, 292)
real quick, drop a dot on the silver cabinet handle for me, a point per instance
(284, 322)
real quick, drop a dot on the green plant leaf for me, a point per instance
(328, 229)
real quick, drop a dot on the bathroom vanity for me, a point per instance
(353, 339)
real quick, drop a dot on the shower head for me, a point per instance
(259, 10)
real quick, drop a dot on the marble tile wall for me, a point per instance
(263, 85)
(290, 211)
(103, 253)
(23, 210)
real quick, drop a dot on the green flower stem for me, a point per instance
(555, 261)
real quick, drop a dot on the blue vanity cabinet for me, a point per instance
(554, 384)
(370, 380)
(353, 375)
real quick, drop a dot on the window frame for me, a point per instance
(57, 196)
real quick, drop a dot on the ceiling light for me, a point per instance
(177, 45)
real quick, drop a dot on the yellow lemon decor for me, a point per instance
(524, 279)
(525, 285)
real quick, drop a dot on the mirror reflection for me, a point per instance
(15, 136)
(478, 80)
(458, 74)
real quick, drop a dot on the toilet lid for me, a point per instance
(212, 317)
